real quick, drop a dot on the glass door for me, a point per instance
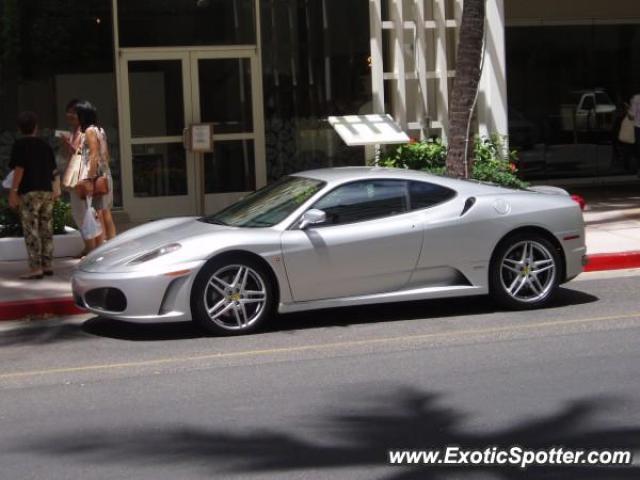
(165, 91)
(158, 173)
(226, 92)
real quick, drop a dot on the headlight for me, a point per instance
(158, 252)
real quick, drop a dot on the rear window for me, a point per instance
(425, 195)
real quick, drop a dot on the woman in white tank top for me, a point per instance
(95, 156)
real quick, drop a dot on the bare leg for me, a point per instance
(109, 226)
(89, 245)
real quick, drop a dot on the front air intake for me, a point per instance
(108, 299)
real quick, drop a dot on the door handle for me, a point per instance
(185, 138)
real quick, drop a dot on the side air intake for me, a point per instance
(467, 205)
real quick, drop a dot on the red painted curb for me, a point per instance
(612, 261)
(40, 306)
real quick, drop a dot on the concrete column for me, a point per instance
(492, 97)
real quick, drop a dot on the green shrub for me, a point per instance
(493, 162)
(11, 226)
(428, 156)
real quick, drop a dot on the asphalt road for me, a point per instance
(326, 394)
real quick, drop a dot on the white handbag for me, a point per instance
(74, 168)
(8, 181)
(627, 133)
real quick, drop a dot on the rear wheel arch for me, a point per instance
(543, 232)
(521, 273)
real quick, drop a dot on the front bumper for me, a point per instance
(148, 296)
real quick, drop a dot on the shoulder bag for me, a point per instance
(627, 132)
(100, 185)
(74, 167)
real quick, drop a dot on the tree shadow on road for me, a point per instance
(407, 419)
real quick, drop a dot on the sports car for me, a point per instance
(338, 237)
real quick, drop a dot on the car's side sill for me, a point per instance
(398, 296)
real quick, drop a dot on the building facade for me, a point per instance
(267, 74)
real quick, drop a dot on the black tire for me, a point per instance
(529, 292)
(239, 318)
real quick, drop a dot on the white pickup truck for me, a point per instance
(589, 110)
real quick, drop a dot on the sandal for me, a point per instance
(30, 276)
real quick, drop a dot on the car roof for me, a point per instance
(339, 175)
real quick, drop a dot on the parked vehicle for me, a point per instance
(523, 134)
(589, 110)
(338, 237)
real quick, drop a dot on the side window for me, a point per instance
(425, 195)
(365, 200)
(588, 102)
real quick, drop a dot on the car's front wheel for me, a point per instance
(232, 295)
(525, 271)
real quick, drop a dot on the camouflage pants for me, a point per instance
(37, 224)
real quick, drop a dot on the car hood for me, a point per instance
(117, 253)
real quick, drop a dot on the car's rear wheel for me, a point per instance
(525, 271)
(232, 295)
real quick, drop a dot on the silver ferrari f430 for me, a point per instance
(339, 237)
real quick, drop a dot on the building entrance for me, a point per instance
(163, 91)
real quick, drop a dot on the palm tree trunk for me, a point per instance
(465, 84)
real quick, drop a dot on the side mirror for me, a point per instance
(312, 217)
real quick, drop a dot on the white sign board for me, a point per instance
(376, 129)
(201, 137)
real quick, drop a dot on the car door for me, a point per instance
(370, 243)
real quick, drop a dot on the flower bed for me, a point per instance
(68, 244)
(67, 241)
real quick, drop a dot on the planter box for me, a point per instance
(67, 245)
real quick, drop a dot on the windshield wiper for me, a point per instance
(213, 221)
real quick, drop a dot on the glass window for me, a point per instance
(225, 94)
(230, 168)
(155, 98)
(156, 23)
(159, 170)
(365, 200)
(269, 205)
(425, 195)
(588, 102)
(315, 63)
(50, 53)
(568, 86)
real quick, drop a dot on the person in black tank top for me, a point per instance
(34, 166)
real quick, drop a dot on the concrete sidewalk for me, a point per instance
(612, 222)
(612, 218)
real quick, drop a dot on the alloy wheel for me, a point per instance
(235, 297)
(528, 271)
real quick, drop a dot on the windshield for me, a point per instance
(603, 99)
(269, 205)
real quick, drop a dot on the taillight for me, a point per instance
(579, 200)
